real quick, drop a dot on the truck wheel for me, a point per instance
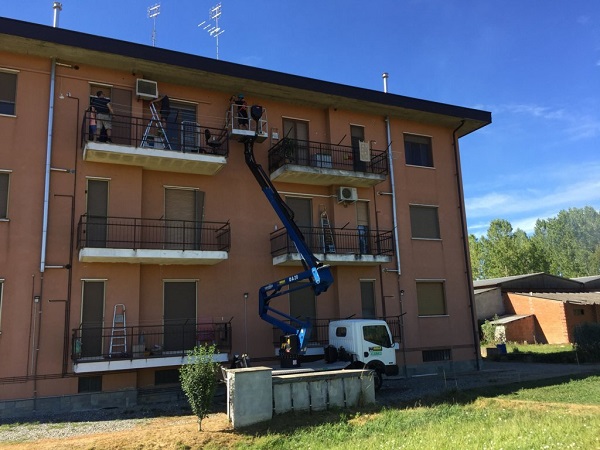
(377, 379)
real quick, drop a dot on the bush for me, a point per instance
(587, 341)
(488, 332)
(199, 380)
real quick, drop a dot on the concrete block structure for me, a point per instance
(125, 245)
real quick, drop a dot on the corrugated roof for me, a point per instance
(531, 282)
(508, 319)
(578, 298)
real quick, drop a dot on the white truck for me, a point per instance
(363, 343)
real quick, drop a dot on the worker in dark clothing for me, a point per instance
(242, 110)
(104, 111)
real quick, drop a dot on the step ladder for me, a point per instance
(327, 241)
(118, 335)
(160, 140)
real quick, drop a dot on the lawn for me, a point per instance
(544, 415)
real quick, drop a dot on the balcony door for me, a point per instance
(298, 131)
(179, 315)
(362, 224)
(357, 134)
(97, 213)
(303, 307)
(121, 122)
(367, 298)
(92, 318)
(184, 209)
(302, 209)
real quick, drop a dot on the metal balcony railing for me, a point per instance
(181, 136)
(136, 233)
(358, 241)
(319, 335)
(326, 156)
(92, 343)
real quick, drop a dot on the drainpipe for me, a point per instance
(465, 239)
(395, 226)
(57, 8)
(48, 161)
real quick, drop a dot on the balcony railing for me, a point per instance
(359, 241)
(181, 136)
(319, 335)
(321, 155)
(136, 233)
(93, 343)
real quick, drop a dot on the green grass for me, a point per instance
(514, 347)
(559, 416)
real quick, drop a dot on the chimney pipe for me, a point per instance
(57, 6)
(385, 77)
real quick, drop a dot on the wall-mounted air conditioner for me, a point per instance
(146, 89)
(347, 194)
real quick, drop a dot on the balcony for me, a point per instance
(145, 346)
(335, 246)
(152, 241)
(319, 334)
(183, 147)
(317, 163)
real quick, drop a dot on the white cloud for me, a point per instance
(541, 196)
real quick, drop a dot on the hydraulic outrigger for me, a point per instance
(316, 275)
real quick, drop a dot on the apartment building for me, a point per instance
(122, 249)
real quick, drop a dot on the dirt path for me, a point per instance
(178, 432)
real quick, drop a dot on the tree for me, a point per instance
(199, 380)
(567, 245)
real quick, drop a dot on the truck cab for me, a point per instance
(366, 343)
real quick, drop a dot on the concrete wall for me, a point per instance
(254, 395)
(489, 303)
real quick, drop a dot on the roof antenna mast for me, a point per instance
(153, 12)
(213, 28)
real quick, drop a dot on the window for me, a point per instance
(578, 312)
(169, 376)
(437, 355)
(417, 150)
(4, 178)
(430, 298)
(341, 332)
(90, 384)
(424, 222)
(8, 93)
(1, 289)
(378, 335)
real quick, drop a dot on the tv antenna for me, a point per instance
(213, 28)
(153, 12)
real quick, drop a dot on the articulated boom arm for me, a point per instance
(318, 275)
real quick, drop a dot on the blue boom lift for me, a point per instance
(315, 276)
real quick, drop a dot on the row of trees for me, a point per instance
(567, 245)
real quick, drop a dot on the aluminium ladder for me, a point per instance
(161, 137)
(118, 335)
(327, 240)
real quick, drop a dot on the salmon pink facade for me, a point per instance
(122, 249)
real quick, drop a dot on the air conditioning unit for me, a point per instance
(347, 194)
(146, 89)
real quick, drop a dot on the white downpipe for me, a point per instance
(393, 186)
(48, 168)
(393, 183)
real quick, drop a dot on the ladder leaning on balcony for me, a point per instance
(118, 335)
(328, 242)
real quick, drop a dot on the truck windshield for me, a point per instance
(377, 334)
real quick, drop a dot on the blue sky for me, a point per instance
(535, 64)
